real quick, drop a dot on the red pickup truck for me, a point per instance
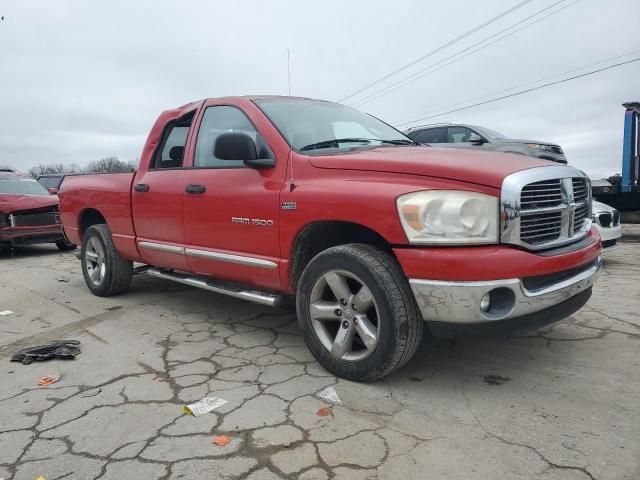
(261, 198)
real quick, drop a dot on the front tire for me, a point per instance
(105, 272)
(357, 313)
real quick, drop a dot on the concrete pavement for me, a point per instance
(560, 403)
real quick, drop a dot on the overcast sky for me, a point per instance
(81, 80)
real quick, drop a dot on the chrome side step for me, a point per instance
(217, 286)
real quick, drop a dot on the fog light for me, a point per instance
(485, 303)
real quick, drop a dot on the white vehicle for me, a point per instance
(607, 220)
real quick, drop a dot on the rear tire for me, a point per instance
(105, 272)
(384, 330)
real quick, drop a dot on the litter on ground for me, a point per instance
(324, 411)
(221, 440)
(48, 380)
(205, 405)
(62, 349)
(4, 313)
(330, 395)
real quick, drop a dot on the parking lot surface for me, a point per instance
(559, 403)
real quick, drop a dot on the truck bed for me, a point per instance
(108, 193)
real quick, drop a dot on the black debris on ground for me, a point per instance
(61, 349)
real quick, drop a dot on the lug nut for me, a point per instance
(345, 324)
(343, 301)
(338, 312)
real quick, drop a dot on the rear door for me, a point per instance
(231, 211)
(158, 200)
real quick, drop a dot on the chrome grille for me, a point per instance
(545, 207)
(582, 201)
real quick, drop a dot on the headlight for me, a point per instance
(539, 146)
(449, 217)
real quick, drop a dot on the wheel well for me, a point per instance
(88, 218)
(319, 236)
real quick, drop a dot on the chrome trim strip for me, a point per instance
(256, 296)
(511, 210)
(161, 247)
(227, 257)
(459, 302)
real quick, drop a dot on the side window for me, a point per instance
(459, 134)
(429, 135)
(170, 154)
(219, 120)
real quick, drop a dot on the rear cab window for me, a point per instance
(170, 153)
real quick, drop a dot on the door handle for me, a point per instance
(195, 189)
(141, 187)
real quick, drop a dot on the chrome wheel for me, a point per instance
(344, 315)
(94, 261)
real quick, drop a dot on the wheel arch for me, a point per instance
(318, 236)
(89, 217)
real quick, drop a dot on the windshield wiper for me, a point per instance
(399, 142)
(334, 141)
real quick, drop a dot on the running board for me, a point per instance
(225, 288)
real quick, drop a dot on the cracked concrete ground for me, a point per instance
(560, 403)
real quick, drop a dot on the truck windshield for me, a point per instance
(21, 185)
(310, 125)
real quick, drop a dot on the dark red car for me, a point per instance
(28, 213)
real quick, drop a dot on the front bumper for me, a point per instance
(609, 236)
(459, 302)
(31, 235)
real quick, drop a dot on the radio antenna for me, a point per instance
(289, 71)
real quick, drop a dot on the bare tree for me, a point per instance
(110, 165)
(42, 169)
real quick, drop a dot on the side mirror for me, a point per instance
(240, 146)
(52, 190)
(475, 139)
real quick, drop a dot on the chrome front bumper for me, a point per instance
(459, 302)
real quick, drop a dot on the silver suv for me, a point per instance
(472, 136)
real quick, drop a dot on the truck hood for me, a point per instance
(483, 168)
(15, 202)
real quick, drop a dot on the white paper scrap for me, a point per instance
(330, 395)
(5, 312)
(205, 405)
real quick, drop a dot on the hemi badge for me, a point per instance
(289, 205)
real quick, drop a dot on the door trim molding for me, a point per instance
(229, 258)
(161, 247)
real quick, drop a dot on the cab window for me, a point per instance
(224, 119)
(459, 134)
(429, 135)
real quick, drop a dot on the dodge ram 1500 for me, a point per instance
(377, 237)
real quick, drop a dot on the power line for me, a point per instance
(441, 47)
(523, 91)
(430, 69)
(498, 92)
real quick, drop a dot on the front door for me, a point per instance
(231, 211)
